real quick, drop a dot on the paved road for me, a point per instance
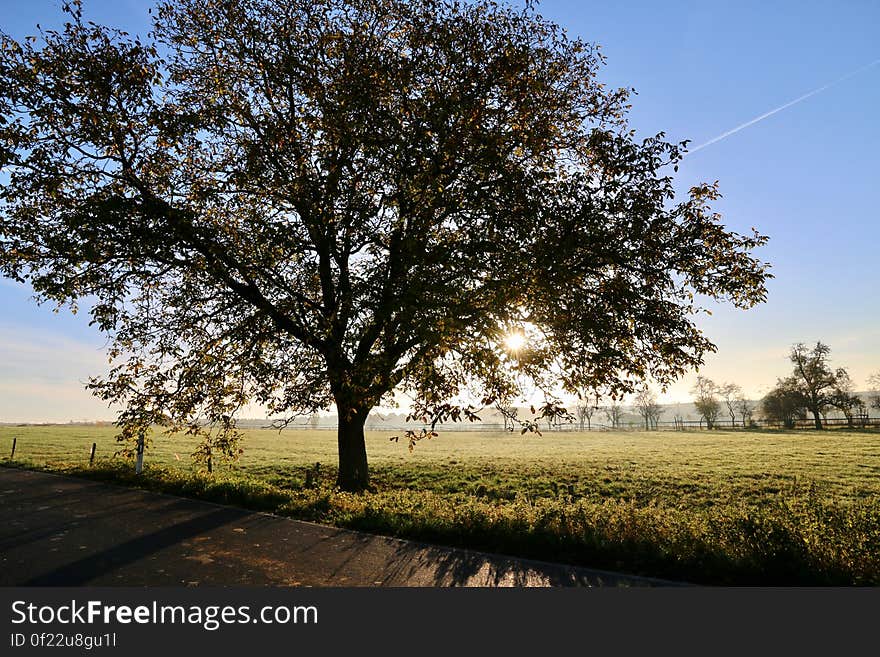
(64, 531)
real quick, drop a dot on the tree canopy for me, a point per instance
(315, 203)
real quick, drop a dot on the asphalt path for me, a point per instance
(65, 531)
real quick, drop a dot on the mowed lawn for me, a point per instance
(716, 507)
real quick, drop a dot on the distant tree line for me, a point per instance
(811, 391)
(711, 400)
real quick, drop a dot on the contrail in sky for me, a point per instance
(782, 107)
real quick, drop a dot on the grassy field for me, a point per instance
(712, 507)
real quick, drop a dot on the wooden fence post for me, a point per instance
(92, 454)
(14, 440)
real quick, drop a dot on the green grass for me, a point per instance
(711, 507)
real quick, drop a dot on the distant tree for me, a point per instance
(647, 406)
(585, 409)
(613, 411)
(314, 420)
(844, 398)
(656, 413)
(784, 404)
(507, 412)
(373, 420)
(324, 203)
(706, 402)
(874, 390)
(813, 377)
(729, 393)
(745, 407)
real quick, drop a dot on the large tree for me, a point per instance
(307, 204)
(820, 385)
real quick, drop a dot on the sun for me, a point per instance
(515, 341)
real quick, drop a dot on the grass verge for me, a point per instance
(798, 537)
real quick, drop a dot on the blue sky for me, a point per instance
(807, 176)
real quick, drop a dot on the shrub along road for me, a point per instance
(63, 531)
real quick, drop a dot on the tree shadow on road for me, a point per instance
(83, 571)
(437, 566)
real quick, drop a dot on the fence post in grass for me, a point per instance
(14, 440)
(139, 461)
(210, 465)
(92, 454)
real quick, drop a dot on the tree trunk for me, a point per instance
(139, 458)
(353, 473)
